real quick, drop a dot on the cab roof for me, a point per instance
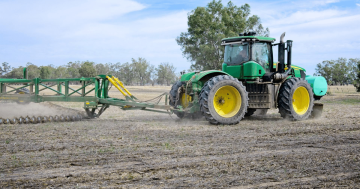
(257, 38)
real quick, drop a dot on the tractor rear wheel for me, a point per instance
(296, 99)
(223, 100)
(181, 99)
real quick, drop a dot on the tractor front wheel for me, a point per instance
(223, 100)
(295, 100)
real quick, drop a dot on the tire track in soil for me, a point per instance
(144, 166)
(300, 181)
(307, 150)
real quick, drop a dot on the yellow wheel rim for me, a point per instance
(301, 100)
(227, 101)
(185, 99)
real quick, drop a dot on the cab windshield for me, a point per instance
(236, 53)
(261, 54)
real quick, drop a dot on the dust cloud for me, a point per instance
(10, 110)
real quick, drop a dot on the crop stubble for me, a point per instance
(138, 149)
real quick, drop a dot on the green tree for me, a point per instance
(208, 25)
(352, 64)
(165, 73)
(5, 68)
(340, 71)
(151, 75)
(102, 69)
(45, 72)
(115, 69)
(15, 73)
(61, 72)
(126, 73)
(357, 74)
(141, 70)
(32, 70)
(87, 69)
(73, 69)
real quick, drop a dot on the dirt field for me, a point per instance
(138, 149)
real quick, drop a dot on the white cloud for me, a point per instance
(54, 32)
(324, 2)
(300, 17)
(20, 15)
(93, 30)
(358, 4)
(319, 33)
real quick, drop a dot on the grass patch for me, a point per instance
(168, 146)
(343, 101)
(111, 149)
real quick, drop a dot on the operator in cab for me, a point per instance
(242, 56)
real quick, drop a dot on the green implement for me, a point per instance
(94, 92)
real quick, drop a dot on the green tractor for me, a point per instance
(250, 80)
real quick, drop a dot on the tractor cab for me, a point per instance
(253, 52)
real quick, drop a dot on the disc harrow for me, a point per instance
(41, 119)
(92, 91)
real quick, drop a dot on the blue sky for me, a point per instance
(56, 32)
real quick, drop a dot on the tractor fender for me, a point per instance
(198, 79)
(201, 76)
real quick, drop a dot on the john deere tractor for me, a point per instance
(250, 80)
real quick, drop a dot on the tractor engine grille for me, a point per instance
(260, 95)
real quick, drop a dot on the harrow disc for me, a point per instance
(20, 120)
(74, 118)
(45, 119)
(26, 120)
(51, 119)
(56, 118)
(6, 121)
(38, 119)
(13, 121)
(33, 120)
(62, 118)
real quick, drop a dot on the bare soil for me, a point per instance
(139, 149)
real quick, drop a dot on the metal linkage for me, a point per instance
(41, 119)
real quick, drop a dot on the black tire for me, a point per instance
(285, 99)
(207, 96)
(172, 98)
(250, 112)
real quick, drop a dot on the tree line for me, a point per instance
(138, 72)
(340, 72)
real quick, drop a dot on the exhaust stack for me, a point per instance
(281, 54)
(282, 74)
